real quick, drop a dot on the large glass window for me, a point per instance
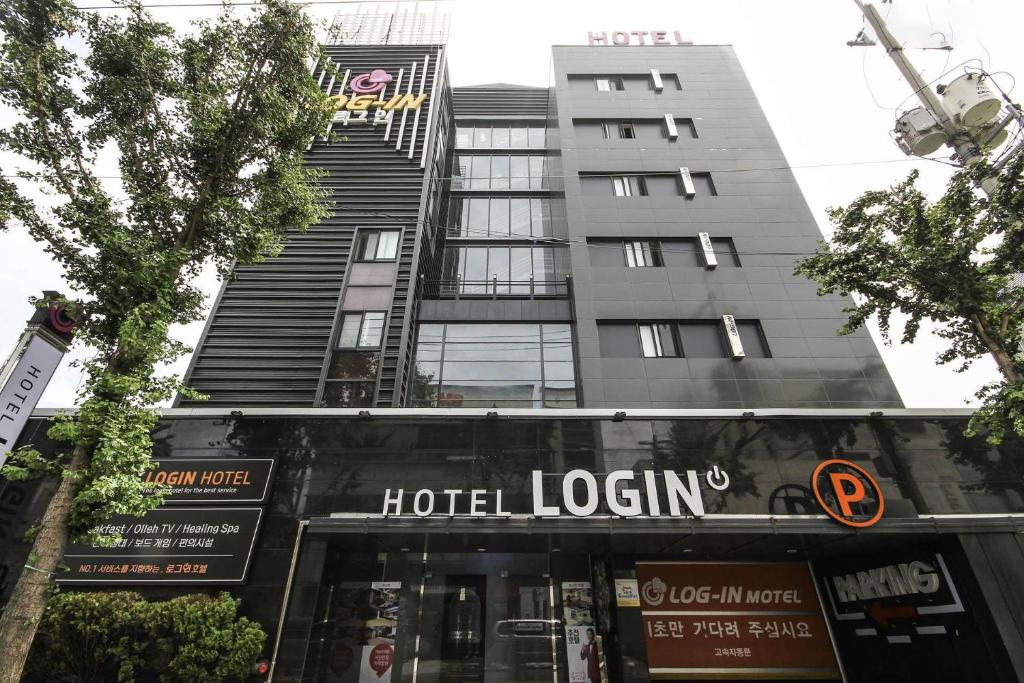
(494, 365)
(500, 217)
(505, 270)
(499, 135)
(493, 172)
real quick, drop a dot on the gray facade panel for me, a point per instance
(757, 203)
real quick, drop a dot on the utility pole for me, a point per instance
(957, 135)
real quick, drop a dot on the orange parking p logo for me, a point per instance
(847, 493)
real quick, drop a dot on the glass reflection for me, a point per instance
(495, 364)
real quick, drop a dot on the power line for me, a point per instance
(230, 3)
(588, 174)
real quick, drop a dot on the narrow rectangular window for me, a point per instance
(377, 245)
(607, 129)
(658, 340)
(629, 186)
(519, 136)
(603, 84)
(537, 137)
(650, 343)
(642, 254)
(499, 136)
(349, 337)
(361, 331)
(626, 130)
(371, 331)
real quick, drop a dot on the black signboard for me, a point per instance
(170, 545)
(900, 596)
(214, 480)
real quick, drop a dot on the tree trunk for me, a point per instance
(1006, 365)
(24, 611)
(994, 344)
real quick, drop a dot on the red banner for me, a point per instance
(748, 620)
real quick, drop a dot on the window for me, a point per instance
(609, 84)
(642, 254)
(725, 252)
(629, 186)
(499, 172)
(494, 365)
(498, 135)
(520, 173)
(517, 270)
(377, 245)
(537, 137)
(752, 337)
(625, 130)
(658, 340)
(500, 217)
(361, 331)
(520, 137)
(689, 338)
(702, 339)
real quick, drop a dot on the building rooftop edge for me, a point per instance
(619, 47)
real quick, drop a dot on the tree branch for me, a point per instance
(241, 99)
(1004, 325)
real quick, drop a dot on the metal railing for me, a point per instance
(495, 288)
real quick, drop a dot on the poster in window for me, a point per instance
(582, 643)
(365, 622)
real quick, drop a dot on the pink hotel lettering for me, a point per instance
(636, 38)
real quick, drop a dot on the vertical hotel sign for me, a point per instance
(742, 620)
(22, 391)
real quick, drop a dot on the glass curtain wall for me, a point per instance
(518, 365)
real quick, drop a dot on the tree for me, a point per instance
(950, 262)
(208, 132)
(99, 637)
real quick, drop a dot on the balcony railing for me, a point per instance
(495, 288)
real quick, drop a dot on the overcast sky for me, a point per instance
(831, 107)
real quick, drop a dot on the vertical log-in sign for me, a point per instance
(735, 620)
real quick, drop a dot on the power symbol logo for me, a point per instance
(847, 493)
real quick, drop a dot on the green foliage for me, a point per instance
(208, 131)
(86, 637)
(950, 262)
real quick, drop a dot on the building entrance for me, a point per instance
(589, 608)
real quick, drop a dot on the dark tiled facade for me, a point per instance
(509, 218)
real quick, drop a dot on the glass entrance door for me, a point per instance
(449, 616)
(493, 618)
